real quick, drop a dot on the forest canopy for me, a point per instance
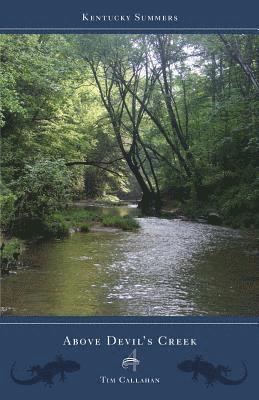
(169, 119)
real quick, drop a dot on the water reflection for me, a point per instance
(167, 268)
(183, 268)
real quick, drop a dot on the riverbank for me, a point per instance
(173, 209)
(167, 267)
(78, 219)
(209, 212)
(89, 216)
(59, 225)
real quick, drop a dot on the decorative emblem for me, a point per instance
(131, 361)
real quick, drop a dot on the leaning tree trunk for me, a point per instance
(150, 204)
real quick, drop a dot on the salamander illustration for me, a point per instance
(46, 373)
(211, 373)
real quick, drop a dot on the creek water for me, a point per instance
(167, 267)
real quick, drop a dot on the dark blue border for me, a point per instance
(66, 14)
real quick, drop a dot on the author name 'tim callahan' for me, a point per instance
(137, 17)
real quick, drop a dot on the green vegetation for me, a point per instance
(76, 216)
(59, 224)
(11, 255)
(162, 118)
(84, 228)
(124, 223)
(55, 226)
(83, 219)
(12, 248)
(42, 189)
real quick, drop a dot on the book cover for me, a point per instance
(129, 200)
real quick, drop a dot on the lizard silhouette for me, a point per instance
(46, 373)
(211, 373)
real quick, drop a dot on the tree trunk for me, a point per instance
(150, 204)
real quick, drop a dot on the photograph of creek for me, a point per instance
(129, 175)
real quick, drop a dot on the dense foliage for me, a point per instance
(174, 117)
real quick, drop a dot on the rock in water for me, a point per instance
(214, 218)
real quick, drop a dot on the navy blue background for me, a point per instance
(224, 344)
(60, 14)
